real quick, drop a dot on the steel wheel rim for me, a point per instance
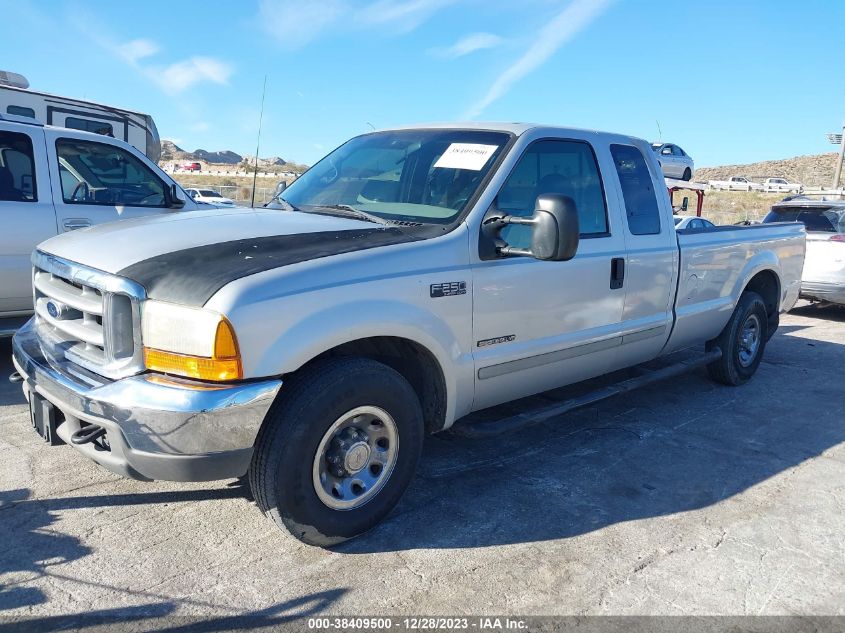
(749, 340)
(355, 458)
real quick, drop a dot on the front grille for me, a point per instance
(90, 317)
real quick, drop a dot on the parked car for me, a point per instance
(674, 161)
(736, 183)
(192, 167)
(691, 222)
(823, 278)
(57, 179)
(312, 345)
(209, 196)
(781, 185)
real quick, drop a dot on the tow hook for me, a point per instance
(87, 434)
(15, 377)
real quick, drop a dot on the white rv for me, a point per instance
(135, 128)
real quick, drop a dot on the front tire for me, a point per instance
(687, 174)
(742, 342)
(338, 449)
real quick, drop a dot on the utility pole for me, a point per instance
(838, 174)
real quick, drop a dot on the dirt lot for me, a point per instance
(681, 498)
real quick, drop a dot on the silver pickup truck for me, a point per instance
(411, 277)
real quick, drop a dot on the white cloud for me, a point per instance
(562, 28)
(295, 23)
(182, 75)
(401, 15)
(469, 44)
(138, 49)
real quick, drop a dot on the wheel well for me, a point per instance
(767, 285)
(416, 364)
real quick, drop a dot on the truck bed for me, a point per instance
(716, 262)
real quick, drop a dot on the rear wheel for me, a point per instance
(336, 453)
(687, 174)
(742, 342)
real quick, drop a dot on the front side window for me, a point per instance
(98, 127)
(419, 176)
(17, 168)
(637, 190)
(564, 167)
(98, 173)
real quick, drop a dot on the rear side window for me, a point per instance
(637, 189)
(565, 167)
(816, 220)
(17, 168)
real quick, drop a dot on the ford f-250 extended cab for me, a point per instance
(409, 278)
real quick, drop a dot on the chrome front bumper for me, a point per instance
(157, 427)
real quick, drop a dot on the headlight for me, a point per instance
(190, 342)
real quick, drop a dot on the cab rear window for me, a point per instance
(816, 220)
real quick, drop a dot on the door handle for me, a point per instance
(76, 223)
(617, 272)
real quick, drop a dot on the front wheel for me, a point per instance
(338, 449)
(687, 174)
(742, 342)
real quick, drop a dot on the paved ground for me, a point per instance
(682, 498)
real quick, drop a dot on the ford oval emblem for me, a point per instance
(53, 310)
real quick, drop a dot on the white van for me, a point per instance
(135, 128)
(54, 180)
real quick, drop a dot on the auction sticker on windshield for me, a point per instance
(466, 156)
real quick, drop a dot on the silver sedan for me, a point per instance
(674, 161)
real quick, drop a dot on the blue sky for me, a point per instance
(730, 81)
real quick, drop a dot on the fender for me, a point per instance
(314, 333)
(762, 261)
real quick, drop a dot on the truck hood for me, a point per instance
(187, 257)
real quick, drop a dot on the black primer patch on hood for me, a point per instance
(192, 276)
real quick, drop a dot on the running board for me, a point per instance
(540, 414)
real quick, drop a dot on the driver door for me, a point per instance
(95, 182)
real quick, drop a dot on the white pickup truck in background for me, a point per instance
(411, 277)
(781, 185)
(54, 180)
(736, 183)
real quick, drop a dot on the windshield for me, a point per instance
(210, 194)
(817, 220)
(424, 176)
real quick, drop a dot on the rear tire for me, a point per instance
(687, 175)
(337, 450)
(742, 342)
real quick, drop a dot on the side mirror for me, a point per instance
(554, 229)
(685, 205)
(280, 187)
(177, 198)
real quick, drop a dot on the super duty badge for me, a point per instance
(449, 289)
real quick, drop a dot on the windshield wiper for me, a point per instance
(288, 206)
(350, 210)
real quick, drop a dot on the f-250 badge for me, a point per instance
(448, 289)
